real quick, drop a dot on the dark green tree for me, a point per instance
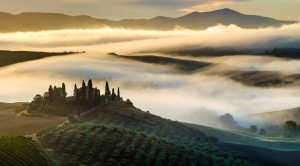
(75, 90)
(50, 93)
(290, 129)
(119, 97)
(36, 103)
(90, 90)
(55, 93)
(262, 132)
(113, 96)
(83, 91)
(228, 121)
(64, 92)
(107, 90)
(253, 129)
(129, 102)
(95, 95)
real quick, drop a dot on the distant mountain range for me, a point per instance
(194, 21)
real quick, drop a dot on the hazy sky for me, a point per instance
(120, 9)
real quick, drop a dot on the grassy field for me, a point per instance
(23, 125)
(274, 151)
(13, 57)
(8, 108)
(22, 151)
(235, 137)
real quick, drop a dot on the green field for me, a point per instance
(235, 137)
(92, 144)
(13, 57)
(120, 134)
(22, 151)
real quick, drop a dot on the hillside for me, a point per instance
(269, 150)
(54, 21)
(250, 78)
(278, 117)
(181, 64)
(119, 134)
(13, 57)
(22, 151)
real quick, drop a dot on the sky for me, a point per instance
(121, 9)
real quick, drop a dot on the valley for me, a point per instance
(149, 83)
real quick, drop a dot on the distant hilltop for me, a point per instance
(195, 21)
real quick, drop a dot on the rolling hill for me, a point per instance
(13, 57)
(250, 78)
(278, 117)
(120, 134)
(275, 151)
(196, 21)
(22, 151)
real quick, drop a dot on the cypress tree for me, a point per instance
(83, 91)
(107, 90)
(90, 90)
(50, 91)
(95, 95)
(75, 91)
(113, 97)
(119, 98)
(99, 96)
(78, 96)
(55, 93)
(64, 92)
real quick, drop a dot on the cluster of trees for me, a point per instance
(228, 121)
(87, 96)
(291, 129)
(254, 130)
(55, 100)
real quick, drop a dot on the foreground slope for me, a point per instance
(22, 151)
(120, 134)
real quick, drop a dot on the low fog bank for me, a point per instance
(127, 41)
(191, 97)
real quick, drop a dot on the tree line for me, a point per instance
(291, 129)
(56, 100)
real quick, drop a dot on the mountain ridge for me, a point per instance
(38, 21)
